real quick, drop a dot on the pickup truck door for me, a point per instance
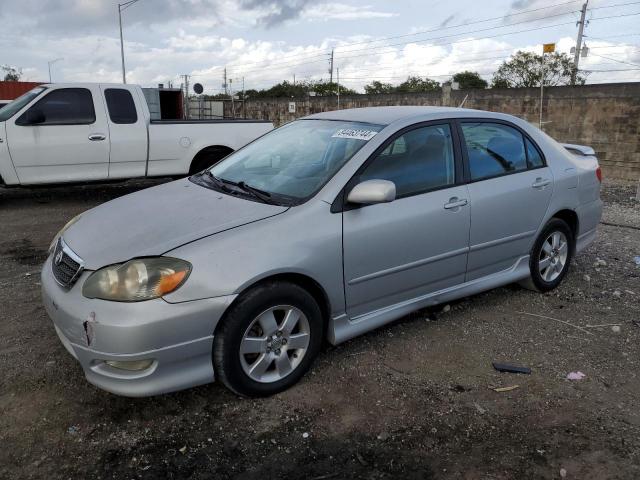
(127, 131)
(62, 137)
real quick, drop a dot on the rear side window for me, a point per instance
(418, 161)
(120, 104)
(63, 106)
(534, 158)
(494, 149)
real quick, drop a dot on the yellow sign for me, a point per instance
(548, 47)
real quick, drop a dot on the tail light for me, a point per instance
(599, 174)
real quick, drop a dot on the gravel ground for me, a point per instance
(413, 400)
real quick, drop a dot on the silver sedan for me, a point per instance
(323, 229)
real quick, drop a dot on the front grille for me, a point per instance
(66, 265)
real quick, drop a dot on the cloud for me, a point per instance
(276, 12)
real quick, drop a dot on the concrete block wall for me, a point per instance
(604, 116)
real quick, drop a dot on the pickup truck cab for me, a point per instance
(90, 132)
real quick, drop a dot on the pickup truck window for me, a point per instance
(64, 106)
(120, 105)
(14, 107)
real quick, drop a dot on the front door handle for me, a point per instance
(455, 202)
(541, 182)
(95, 137)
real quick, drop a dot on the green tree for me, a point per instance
(11, 74)
(376, 87)
(525, 69)
(469, 79)
(417, 85)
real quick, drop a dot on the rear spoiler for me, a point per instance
(580, 150)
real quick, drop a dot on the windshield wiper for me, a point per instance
(261, 195)
(219, 183)
(265, 197)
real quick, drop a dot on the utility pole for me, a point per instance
(331, 67)
(338, 72)
(226, 92)
(244, 100)
(121, 8)
(186, 96)
(51, 63)
(576, 57)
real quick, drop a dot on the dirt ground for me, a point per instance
(413, 400)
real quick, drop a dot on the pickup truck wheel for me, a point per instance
(268, 340)
(208, 158)
(550, 256)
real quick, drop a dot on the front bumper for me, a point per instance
(178, 337)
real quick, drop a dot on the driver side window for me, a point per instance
(418, 161)
(64, 106)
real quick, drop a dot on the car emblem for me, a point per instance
(58, 258)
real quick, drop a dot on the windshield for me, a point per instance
(296, 160)
(14, 107)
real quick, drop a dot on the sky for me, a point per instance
(267, 41)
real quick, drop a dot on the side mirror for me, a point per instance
(34, 116)
(373, 191)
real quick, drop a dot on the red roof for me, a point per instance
(12, 90)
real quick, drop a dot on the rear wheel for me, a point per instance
(208, 158)
(268, 339)
(550, 256)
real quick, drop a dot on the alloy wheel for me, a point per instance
(274, 344)
(553, 256)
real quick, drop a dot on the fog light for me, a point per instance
(133, 365)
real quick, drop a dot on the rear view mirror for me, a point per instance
(34, 116)
(373, 191)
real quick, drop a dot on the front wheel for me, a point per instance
(268, 339)
(550, 256)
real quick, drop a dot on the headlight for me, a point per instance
(137, 280)
(62, 230)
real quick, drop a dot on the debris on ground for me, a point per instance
(615, 329)
(504, 367)
(600, 263)
(637, 260)
(479, 408)
(575, 376)
(563, 473)
(73, 429)
(446, 308)
(505, 389)
(183, 450)
(305, 435)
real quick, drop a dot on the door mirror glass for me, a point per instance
(372, 191)
(35, 116)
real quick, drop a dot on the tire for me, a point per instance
(248, 326)
(545, 252)
(208, 158)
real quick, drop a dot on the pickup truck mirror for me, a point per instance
(372, 191)
(33, 116)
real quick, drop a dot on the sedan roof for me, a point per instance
(388, 115)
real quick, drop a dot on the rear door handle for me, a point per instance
(541, 182)
(95, 137)
(455, 202)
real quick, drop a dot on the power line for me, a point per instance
(462, 24)
(419, 41)
(382, 39)
(614, 5)
(615, 60)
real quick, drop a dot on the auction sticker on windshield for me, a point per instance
(355, 134)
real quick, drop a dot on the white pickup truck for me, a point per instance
(90, 132)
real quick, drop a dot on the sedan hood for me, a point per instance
(158, 219)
